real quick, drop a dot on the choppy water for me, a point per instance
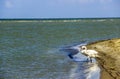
(29, 49)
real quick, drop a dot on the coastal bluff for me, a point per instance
(109, 57)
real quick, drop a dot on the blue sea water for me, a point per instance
(30, 49)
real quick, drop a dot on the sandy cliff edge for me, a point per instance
(109, 60)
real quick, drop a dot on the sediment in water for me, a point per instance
(109, 60)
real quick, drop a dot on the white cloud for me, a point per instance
(8, 4)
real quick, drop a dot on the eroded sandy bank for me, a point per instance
(109, 60)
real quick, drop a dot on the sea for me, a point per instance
(31, 48)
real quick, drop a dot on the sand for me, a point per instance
(109, 57)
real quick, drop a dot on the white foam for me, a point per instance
(93, 72)
(85, 71)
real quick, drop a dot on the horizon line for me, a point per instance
(58, 18)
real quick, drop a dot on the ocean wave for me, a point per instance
(99, 20)
(56, 20)
(85, 70)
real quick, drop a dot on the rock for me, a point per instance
(109, 60)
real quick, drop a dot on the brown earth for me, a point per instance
(109, 57)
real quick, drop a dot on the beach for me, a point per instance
(109, 60)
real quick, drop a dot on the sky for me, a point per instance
(59, 8)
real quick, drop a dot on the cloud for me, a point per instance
(8, 4)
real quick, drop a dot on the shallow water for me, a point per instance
(29, 49)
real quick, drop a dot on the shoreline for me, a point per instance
(109, 60)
